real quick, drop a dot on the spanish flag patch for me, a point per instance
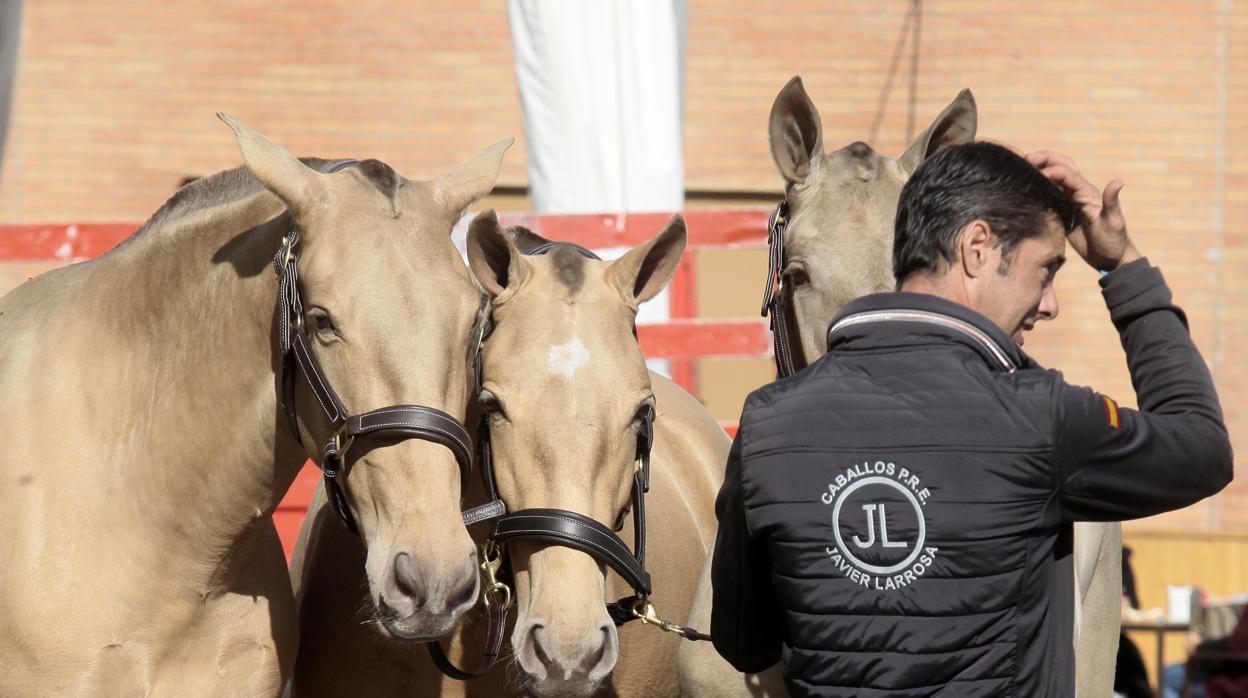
(1111, 411)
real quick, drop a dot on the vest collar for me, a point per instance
(890, 318)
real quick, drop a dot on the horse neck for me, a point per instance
(206, 448)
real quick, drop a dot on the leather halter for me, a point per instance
(560, 527)
(383, 426)
(789, 359)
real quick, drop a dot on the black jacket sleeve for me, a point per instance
(1116, 463)
(745, 614)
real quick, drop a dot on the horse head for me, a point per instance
(841, 207)
(568, 394)
(387, 308)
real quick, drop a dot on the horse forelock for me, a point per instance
(569, 268)
(381, 176)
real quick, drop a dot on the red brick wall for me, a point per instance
(115, 100)
(114, 104)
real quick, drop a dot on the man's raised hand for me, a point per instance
(1105, 244)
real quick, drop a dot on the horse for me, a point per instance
(155, 417)
(566, 394)
(838, 246)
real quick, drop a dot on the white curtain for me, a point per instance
(601, 85)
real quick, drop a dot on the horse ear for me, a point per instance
(644, 270)
(795, 132)
(471, 180)
(296, 184)
(955, 125)
(495, 261)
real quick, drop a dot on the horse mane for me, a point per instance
(215, 190)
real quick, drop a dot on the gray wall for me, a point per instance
(10, 32)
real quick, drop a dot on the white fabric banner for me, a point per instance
(601, 86)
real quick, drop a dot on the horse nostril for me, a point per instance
(408, 580)
(602, 662)
(466, 591)
(536, 633)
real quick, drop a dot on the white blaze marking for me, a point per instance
(566, 359)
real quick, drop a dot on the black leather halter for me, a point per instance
(565, 528)
(381, 426)
(788, 356)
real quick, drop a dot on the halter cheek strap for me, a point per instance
(775, 297)
(371, 429)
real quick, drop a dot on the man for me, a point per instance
(895, 519)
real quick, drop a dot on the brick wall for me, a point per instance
(114, 105)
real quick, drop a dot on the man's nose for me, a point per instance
(1048, 304)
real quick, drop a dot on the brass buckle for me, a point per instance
(342, 442)
(491, 563)
(644, 611)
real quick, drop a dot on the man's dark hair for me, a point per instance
(968, 182)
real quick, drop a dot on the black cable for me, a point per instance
(917, 10)
(902, 34)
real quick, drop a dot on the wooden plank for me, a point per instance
(701, 338)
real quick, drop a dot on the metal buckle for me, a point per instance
(483, 326)
(491, 563)
(644, 611)
(288, 252)
(342, 442)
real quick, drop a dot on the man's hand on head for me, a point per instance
(1105, 244)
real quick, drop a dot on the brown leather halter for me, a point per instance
(788, 356)
(386, 425)
(559, 527)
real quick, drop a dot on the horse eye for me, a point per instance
(493, 408)
(639, 417)
(796, 276)
(322, 323)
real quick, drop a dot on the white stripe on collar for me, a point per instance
(952, 323)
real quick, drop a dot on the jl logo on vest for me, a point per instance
(879, 525)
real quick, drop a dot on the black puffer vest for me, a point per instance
(908, 477)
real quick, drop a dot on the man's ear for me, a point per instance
(977, 249)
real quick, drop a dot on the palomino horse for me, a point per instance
(147, 444)
(566, 391)
(838, 242)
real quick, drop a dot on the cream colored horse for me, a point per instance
(839, 239)
(145, 448)
(564, 382)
